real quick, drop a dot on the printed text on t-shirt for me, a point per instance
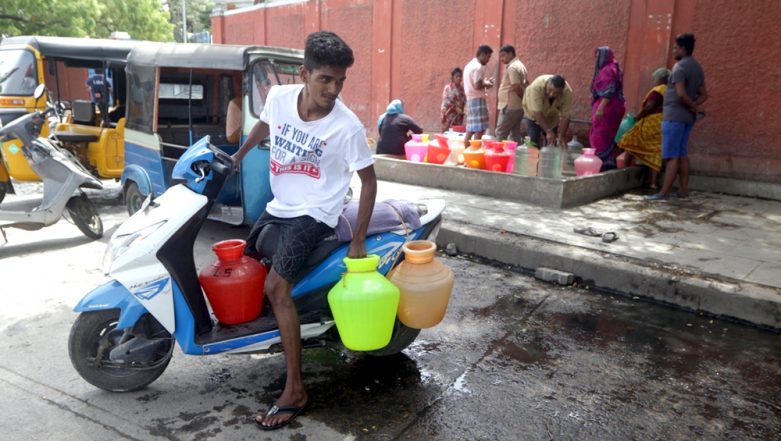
(296, 151)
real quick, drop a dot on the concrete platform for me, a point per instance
(552, 193)
(713, 253)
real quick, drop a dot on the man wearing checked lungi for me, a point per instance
(475, 85)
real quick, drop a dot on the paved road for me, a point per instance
(513, 359)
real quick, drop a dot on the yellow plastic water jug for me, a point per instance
(425, 285)
(364, 305)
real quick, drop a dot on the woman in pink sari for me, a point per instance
(607, 106)
(453, 101)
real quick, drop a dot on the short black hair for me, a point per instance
(558, 81)
(686, 40)
(484, 49)
(455, 71)
(325, 48)
(508, 49)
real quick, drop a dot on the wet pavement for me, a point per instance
(514, 359)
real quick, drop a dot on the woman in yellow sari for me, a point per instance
(644, 139)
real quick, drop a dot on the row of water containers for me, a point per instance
(504, 156)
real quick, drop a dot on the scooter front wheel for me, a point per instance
(85, 216)
(93, 336)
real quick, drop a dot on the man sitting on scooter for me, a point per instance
(316, 145)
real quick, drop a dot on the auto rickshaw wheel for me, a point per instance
(133, 198)
(3, 191)
(85, 216)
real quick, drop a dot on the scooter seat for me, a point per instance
(319, 254)
(75, 137)
(269, 238)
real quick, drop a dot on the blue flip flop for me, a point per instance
(295, 411)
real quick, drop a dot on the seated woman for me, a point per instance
(644, 140)
(394, 127)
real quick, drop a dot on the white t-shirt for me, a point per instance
(311, 162)
(474, 72)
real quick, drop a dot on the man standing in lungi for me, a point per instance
(475, 86)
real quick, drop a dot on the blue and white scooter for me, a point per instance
(124, 336)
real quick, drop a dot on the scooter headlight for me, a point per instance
(120, 244)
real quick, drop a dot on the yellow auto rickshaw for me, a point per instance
(91, 125)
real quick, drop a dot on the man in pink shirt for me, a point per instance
(475, 85)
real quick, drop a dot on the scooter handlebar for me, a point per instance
(223, 162)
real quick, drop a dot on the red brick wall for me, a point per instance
(406, 49)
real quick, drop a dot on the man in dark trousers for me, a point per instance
(99, 92)
(685, 94)
(317, 144)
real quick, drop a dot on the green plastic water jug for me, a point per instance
(364, 305)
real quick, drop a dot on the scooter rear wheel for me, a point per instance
(402, 337)
(90, 342)
(85, 216)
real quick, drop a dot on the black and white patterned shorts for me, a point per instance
(292, 242)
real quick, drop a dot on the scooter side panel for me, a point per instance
(138, 269)
(185, 331)
(112, 295)
(386, 245)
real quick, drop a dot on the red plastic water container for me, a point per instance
(436, 153)
(509, 147)
(496, 157)
(234, 283)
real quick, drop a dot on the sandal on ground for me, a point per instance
(679, 195)
(657, 197)
(609, 237)
(294, 411)
(588, 231)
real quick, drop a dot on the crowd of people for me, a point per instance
(658, 139)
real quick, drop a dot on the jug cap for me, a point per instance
(362, 264)
(228, 250)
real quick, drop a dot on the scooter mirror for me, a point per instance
(39, 91)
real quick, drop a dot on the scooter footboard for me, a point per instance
(113, 295)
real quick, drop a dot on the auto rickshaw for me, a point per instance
(179, 93)
(94, 136)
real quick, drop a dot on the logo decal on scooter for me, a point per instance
(391, 250)
(152, 289)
